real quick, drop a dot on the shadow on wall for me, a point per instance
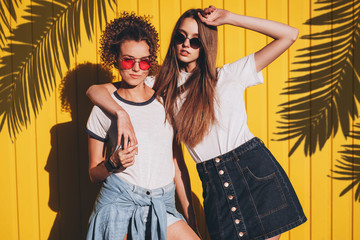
(348, 168)
(72, 195)
(36, 48)
(325, 94)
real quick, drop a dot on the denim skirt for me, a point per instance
(247, 195)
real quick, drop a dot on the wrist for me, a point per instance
(110, 165)
(120, 113)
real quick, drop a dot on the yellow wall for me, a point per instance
(45, 190)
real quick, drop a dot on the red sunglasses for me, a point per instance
(128, 63)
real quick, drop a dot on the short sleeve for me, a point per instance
(149, 81)
(98, 124)
(243, 70)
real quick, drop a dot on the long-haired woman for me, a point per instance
(247, 195)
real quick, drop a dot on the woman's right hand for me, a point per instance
(124, 158)
(213, 16)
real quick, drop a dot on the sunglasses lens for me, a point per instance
(179, 38)
(127, 63)
(195, 43)
(144, 64)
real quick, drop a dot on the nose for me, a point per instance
(186, 42)
(136, 66)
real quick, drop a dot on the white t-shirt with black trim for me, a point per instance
(153, 166)
(231, 129)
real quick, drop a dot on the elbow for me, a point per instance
(294, 34)
(90, 90)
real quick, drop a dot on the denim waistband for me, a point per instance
(157, 192)
(243, 148)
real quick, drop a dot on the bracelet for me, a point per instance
(110, 165)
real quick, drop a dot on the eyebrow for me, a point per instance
(183, 31)
(130, 56)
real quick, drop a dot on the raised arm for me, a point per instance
(100, 95)
(183, 188)
(284, 36)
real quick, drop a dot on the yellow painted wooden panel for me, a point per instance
(26, 169)
(277, 75)
(299, 164)
(187, 4)
(356, 204)
(8, 179)
(234, 37)
(256, 97)
(169, 14)
(125, 5)
(320, 167)
(8, 185)
(151, 8)
(342, 208)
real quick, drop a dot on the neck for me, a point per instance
(189, 67)
(139, 93)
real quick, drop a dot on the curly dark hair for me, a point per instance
(128, 27)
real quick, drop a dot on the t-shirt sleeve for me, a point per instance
(98, 125)
(149, 81)
(244, 70)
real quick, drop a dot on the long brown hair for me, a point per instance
(196, 114)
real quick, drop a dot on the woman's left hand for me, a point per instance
(213, 16)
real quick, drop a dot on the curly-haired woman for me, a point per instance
(247, 195)
(137, 198)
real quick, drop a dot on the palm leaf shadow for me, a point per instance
(330, 79)
(35, 51)
(348, 169)
(7, 11)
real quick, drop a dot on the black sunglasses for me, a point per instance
(180, 39)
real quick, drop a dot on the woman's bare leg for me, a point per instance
(181, 231)
(274, 238)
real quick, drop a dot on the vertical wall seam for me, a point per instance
(267, 82)
(223, 41)
(77, 124)
(352, 125)
(245, 51)
(14, 145)
(160, 38)
(288, 101)
(331, 134)
(310, 134)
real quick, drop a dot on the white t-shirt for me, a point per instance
(153, 166)
(231, 129)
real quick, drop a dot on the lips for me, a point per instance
(184, 53)
(135, 76)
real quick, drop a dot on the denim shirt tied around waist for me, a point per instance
(117, 201)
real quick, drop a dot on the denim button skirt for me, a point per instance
(247, 195)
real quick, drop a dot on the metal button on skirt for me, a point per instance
(247, 195)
